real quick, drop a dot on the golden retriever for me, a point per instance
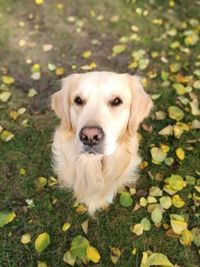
(95, 147)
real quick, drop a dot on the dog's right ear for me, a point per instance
(60, 103)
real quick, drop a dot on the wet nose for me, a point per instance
(91, 135)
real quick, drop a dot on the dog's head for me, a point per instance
(100, 108)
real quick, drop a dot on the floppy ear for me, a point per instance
(141, 104)
(60, 102)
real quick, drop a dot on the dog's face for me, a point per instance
(101, 108)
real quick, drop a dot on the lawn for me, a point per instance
(40, 43)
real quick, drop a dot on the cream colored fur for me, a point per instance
(95, 179)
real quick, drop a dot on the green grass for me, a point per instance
(31, 147)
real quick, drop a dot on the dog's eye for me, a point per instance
(116, 102)
(78, 101)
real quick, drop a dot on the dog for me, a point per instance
(95, 147)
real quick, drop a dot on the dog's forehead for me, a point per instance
(102, 82)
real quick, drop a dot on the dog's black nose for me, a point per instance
(91, 135)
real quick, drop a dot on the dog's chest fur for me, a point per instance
(95, 179)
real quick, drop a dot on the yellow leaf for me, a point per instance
(84, 226)
(134, 251)
(165, 202)
(93, 254)
(158, 155)
(4, 96)
(118, 49)
(176, 182)
(66, 226)
(165, 148)
(186, 237)
(197, 187)
(87, 54)
(178, 226)
(6, 136)
(26, 238)
(42, 241)
(177, 201)
(40, 183)
(6, 217)
(60, 71)
(8, 80)
(180, 153)
(42, 264)
(13, 114)
(39, 2)
(175, 113)
(138, 229)
(143, 165)
(69, 258)
(159, 259)
(81, 209)
(115, 254)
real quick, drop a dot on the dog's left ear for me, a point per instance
(141, 104)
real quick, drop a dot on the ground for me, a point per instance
(43, 41)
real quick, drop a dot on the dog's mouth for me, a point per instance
(93, 150)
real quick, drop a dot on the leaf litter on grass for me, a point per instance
(171, 196)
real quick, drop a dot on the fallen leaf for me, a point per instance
(93, 254)
(26, 238)
(186, 237)
(194, 104)
(175, 67)
(118, 49)
(138, 229)
(4, 96)
(40, 183)
(78, 247)
(196, 84)
(6, 136)
(66, 227)
(36, 76)
(180, 153)
(180, 89)
(177, 201)
(39, 2)
(81, 209)
(60, 71)
(165, 202)
(6, 217)
(32, 92)
(158, 155)
(87, 54)
(159, 259)
(174, 183)
(145, 224)
(196, 236)
(175, 113)
(8, 80)
(156, 215)
(42, 264)
(155, 191)
(178, 224)
(84, 226)
(42, 242)
(115, 254)
(169, 161)
(47, 47)
(166, 131)
(51, 67)
(69, 258)
(126, 199)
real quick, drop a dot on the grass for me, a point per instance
(31, 147)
